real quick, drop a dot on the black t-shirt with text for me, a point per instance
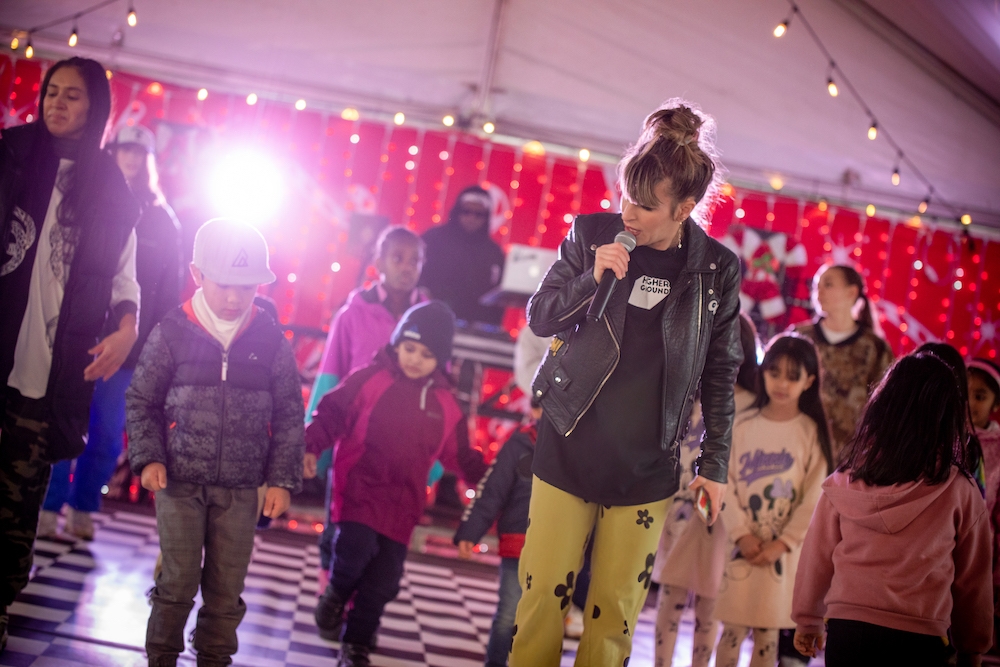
(613, 456)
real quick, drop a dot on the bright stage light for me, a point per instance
(246, 185)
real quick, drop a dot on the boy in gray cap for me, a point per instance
(214, 412)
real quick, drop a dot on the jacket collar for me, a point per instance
(188, 309)
(701, 256)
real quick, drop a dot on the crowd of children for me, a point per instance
(891, 559)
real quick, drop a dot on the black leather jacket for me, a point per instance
(701, 338)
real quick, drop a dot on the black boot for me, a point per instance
(329, 615)
(354, 655)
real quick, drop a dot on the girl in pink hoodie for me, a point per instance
(898, 550)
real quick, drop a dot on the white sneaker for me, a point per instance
(79, 524)
(573, 623)
(48, 524)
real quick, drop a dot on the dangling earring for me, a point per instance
(680, 236)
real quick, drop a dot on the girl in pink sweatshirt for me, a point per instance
(898, 550)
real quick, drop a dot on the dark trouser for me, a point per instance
(190, 518)
(502, 631)
(369, 565)
(24, 477)
(105, 440)
(858, 644)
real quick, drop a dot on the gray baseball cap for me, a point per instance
(231, 252)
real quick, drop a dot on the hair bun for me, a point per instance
(679, 124)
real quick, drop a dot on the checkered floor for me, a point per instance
(86, 605)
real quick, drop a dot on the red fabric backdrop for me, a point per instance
(927, 283)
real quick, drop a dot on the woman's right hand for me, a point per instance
(612, 256)
(465, 549)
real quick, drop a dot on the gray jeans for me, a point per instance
(192, 518)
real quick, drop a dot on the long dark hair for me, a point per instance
(913, 428)
(801, 355)
(79, 181)
(746, 377)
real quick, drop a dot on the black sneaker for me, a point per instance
(354, 655)
(329, 615)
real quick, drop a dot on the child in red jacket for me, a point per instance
(387, 422)
(898, 550)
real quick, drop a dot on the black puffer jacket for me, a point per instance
(701, 337)
(231, 419)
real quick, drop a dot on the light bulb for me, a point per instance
(203, 94)
(872, 131)
(399, 118)
(73, 38)
(252, 99)
(895, 176)
(966, 219)
(29, 50)
(132, 18)
(584, 155)
(924, 204)
(14, 43)
(831, 87)
(489, 127)
(448, 120)
(781, 29)
(870, 210)
(350, 113)
(300, 105)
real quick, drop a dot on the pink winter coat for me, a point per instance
(911, 557)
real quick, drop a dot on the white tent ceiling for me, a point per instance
(583, 73)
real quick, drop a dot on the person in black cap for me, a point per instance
(387, 423)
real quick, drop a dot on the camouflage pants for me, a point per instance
(24, 478)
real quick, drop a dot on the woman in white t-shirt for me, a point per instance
(67, 265)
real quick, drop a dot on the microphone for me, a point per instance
(608, 281)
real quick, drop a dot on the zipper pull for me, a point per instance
(225, 365)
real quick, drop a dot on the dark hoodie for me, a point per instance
(460, 267)
(912, 557)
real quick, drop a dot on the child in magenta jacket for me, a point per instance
(387, 422)
(898, 550)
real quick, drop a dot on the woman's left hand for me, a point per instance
(769, 554)
(716, 494)
(112, 351)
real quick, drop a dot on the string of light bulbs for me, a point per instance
(835, 74)
(74, 37)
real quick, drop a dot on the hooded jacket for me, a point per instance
(460, 267)
(386, 430)
(911, 557)
(105, 224)
(230, 418)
